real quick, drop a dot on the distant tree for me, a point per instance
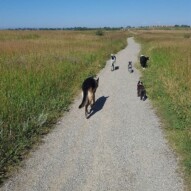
(185, 26)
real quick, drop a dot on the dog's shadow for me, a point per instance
(116, 68)
(98, 105)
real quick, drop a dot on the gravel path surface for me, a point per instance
(121, 147)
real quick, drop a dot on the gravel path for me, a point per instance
(121, 147)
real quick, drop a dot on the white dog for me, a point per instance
(113, 60)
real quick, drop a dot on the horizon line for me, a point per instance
(86, 28)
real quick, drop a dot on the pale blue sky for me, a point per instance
(93, 13)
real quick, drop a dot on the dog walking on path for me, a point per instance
(113, 60)
(89, 87)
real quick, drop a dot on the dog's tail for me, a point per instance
(84, 99)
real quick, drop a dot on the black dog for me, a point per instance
(89, 87)
(141, 92)
(143, 61)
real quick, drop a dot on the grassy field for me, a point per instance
(168, 83)
(40, 73)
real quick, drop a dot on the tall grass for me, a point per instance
(168, 83)
(40, 72)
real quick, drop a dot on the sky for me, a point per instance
(93, 13)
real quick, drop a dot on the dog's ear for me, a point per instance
(97, 81)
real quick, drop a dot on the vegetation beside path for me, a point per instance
(168, 83)
(40, 73)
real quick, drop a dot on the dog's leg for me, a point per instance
(86, 111)
(142, 94)
(93, 99)
(138, 93)
(145, 96)
(113, 66)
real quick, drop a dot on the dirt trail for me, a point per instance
(121, 147)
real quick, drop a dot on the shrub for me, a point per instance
(99, 32)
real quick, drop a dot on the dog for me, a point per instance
(89, 88)
(130, 67)
(143, 61)
(113, 60)
(141, 92)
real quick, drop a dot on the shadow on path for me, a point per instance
(116, 67)
(98, 105)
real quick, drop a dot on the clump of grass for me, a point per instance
(169, 86)
(40, 73)
(99, 32)
(187, 35)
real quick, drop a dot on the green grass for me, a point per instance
(40, 73)
(168, 84)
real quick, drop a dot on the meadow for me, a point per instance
(168, 83)
(42, 71)
(40, 74)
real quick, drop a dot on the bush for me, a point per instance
(99, 32)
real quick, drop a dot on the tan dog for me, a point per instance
(89, 87)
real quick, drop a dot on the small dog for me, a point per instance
(141, 92)
(130, 67)
(113, 60)
(89, 87)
